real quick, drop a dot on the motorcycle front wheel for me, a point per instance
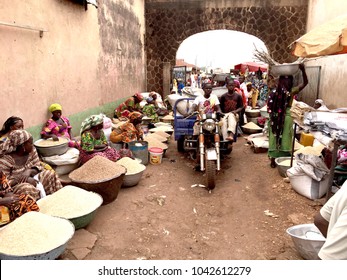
(211, 174)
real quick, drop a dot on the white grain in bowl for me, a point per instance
(70, 202)
(34, 233)
(132, 166)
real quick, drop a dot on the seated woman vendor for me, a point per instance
(22, 167)
(93, 140)
(13, 205)
(58, 126)
(129, 131)
(132, 104)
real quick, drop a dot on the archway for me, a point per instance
(169, 23)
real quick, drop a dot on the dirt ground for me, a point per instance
(164, 218)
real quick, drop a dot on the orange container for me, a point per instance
(306, 139)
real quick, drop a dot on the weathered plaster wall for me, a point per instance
(87, 61)
(170, 22)
(334, 68)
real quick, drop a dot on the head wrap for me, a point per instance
(139, 96)
(249, 83)
(134, 116)
(91, 121)
(237, 82)
(15, 138)
(55, 107)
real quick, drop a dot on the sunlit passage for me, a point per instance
(219, 49)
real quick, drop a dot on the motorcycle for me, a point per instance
(207, 147)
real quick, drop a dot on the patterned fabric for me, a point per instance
(151, 111)
(15, 138)
(126, 133)
(278, 103)
(91, 121)
(14, 173)
(109, 153)
(88, 141)
(25, 204)
(55, 107)
(125, 108)
(52, 127)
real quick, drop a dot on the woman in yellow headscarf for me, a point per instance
(58, 126)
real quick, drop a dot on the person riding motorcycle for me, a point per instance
(205, 104)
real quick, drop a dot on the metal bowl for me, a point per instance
(254, 113)
(285, 69)
(307, 240)
(132, 180)
(251, 131)
(282, 169)
(108, 189)
(52, 150)
(52, 254)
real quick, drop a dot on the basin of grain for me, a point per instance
(35, 235)
(251, 128)
(73, 203)
(134, 173)
(99, 175)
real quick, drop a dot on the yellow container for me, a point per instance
(306, 139)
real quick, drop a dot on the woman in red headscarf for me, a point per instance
(132, 104)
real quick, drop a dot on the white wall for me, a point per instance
(333, 82)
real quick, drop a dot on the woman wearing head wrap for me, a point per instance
(58, 126)
(280, 121)
(93, 140)
(150, 110)
(22, 167)
(12, 123)
(132, 104)
(129, 131)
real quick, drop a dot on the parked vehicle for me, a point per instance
(208, 148)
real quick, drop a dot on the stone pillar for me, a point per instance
(166, 78)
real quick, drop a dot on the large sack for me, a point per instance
(182, 106)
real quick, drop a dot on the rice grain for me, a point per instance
(34, 233)
(97, 169)
(69, 202)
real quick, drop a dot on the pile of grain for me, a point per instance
(168, 118)
(164, 128)
(309, 150)
(162, 133)
(97, 169)
(155, 136)
(286, 162)
(252, 125)
(50, 143)
(69, 202)
(34, 233)
(132, 166)
(156, 143)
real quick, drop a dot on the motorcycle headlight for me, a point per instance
(209, 125)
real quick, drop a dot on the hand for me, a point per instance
(9, 199)
(55, 138)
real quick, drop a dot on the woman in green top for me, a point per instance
(280, 122)
(94, 142)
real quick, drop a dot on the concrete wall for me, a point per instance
(88, 60)
(333, 82)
